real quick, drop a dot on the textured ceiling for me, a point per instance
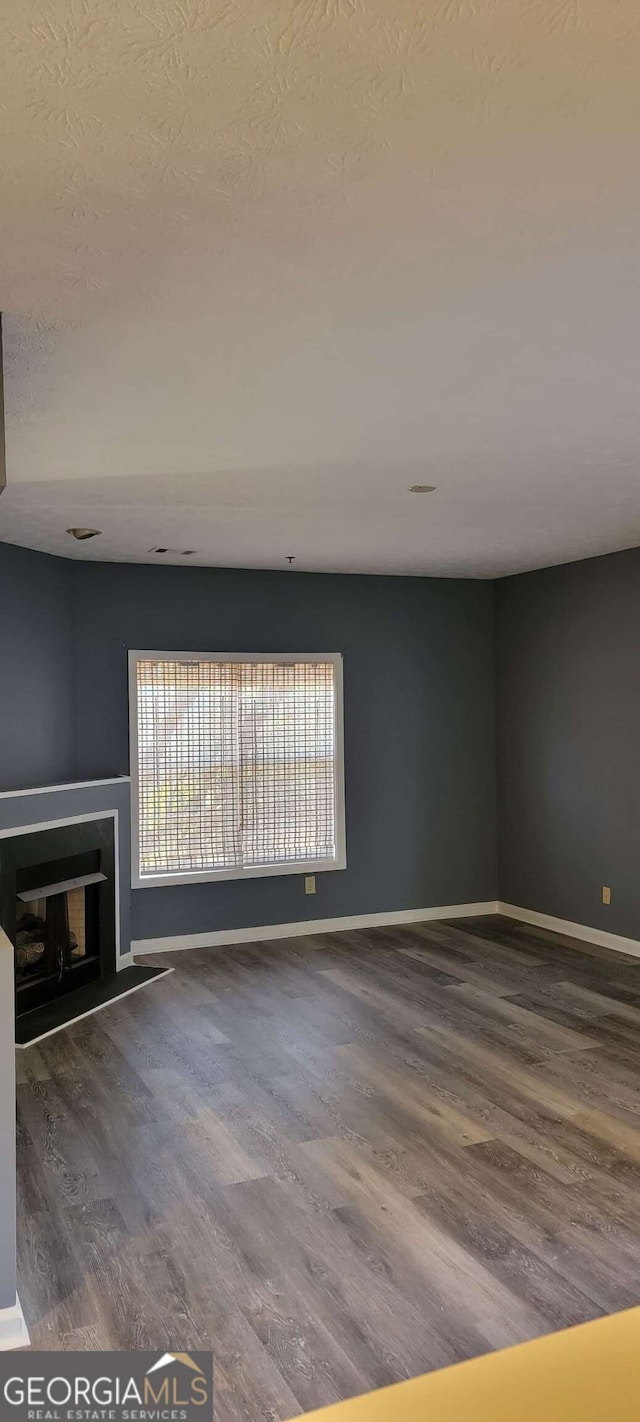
(265, 264)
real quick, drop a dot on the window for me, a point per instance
(236, 765)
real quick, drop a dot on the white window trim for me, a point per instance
(205, 876)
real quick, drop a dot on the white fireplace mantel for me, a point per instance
(69, 785)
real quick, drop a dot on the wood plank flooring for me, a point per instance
(337, 1161)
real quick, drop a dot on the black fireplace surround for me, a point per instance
(47, 876)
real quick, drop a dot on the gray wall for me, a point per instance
(419, 724)
(568, 717)
(36, 657)
(420, 752)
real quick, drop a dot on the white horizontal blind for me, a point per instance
(236, 764)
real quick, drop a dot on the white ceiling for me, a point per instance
(265, 265)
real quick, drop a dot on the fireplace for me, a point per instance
(57, 905)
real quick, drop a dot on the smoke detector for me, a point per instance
(83, 533)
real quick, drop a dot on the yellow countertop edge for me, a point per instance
(590, 1373)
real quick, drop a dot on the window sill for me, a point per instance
(212, 876)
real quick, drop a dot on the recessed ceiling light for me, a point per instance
(422, 488)
(82, 533)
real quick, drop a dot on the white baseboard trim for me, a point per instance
(13, 1328)
(225, 938)
(614, 941)
(124, 960)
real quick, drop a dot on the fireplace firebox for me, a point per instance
(57, 940)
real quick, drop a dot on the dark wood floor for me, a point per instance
(338, 1161)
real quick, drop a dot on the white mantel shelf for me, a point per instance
(71, 785)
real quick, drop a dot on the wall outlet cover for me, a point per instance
(606, 894)
(309, 883)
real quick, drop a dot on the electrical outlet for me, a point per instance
(310, 884)
(606, 894)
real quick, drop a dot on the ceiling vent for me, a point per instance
(174, 552)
